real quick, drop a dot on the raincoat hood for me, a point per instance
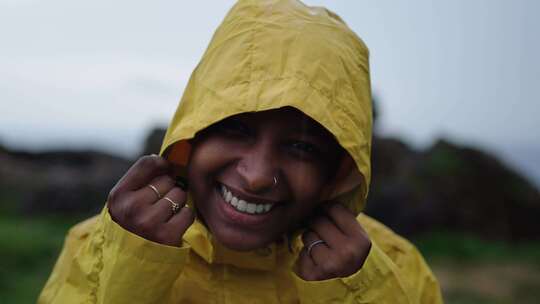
(271, 54)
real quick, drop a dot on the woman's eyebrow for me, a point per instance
(309, 130)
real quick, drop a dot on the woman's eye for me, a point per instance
(234, 127)
(305, 148)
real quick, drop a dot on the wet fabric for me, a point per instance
(265, 55)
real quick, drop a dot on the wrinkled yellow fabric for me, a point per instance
(265, 55)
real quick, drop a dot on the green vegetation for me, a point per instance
(470, 249)
(472, 270)
(29, 248)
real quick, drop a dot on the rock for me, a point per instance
(448, 187)
(153, 141)
(59, 181)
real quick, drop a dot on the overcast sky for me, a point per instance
(101, 73)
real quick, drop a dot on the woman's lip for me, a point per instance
(248, 198)
(237, 217)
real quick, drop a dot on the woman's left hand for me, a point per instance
(343, 251)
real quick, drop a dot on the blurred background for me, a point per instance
(87, 87)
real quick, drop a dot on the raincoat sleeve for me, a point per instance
(103, 263)
(394, 272)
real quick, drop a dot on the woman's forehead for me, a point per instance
(287, 117)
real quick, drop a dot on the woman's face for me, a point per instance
(256, 176)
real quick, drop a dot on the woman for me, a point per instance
(273, 135)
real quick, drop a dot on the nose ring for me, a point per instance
(275, 180)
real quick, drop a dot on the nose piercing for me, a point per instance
(275, 180)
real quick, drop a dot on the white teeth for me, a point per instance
(251, 208)
(260, 208)
(242, 205)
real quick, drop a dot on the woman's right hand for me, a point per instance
(135, 206)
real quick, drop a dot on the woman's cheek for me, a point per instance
(306, 181)
(210, 154)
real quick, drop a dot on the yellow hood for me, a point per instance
(271, 54)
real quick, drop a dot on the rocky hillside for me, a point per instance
(57, 181)
(448, 187)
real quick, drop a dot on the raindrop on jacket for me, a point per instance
(265, 55)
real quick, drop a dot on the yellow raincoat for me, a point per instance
(265, 55)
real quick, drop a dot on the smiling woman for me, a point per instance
(271, 143)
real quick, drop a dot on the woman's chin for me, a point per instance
(241, 241)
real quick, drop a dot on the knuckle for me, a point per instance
(330, 267)
(162, 237)
(349, 251)
(129, 208)
(144, 225)
(113, 211)
(308, 274)
(169, 181)
(187, 213)
(114, 194)
(129, 213)
(186, 218)
(178, 195)
(147, 161)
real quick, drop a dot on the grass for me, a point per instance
(30, 247)
(470, 270)
(488, 282)
(467, 248)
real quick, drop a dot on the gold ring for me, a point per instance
(155, 190)
(310, 247)
(175, 207)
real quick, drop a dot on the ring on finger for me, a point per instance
(156, 191)
(175, 207)
(315, 243)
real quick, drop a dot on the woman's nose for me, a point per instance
(258, 169)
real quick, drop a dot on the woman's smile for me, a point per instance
(245, 206)
(240, 210)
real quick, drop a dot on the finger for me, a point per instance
(162, 209)
(163, 184)
(144, 170)
(309, 236)
(345, 220)
(130, 204)
(128, 208)
(319, 252)
(180, 222)
(306, 268)
(328, 231)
